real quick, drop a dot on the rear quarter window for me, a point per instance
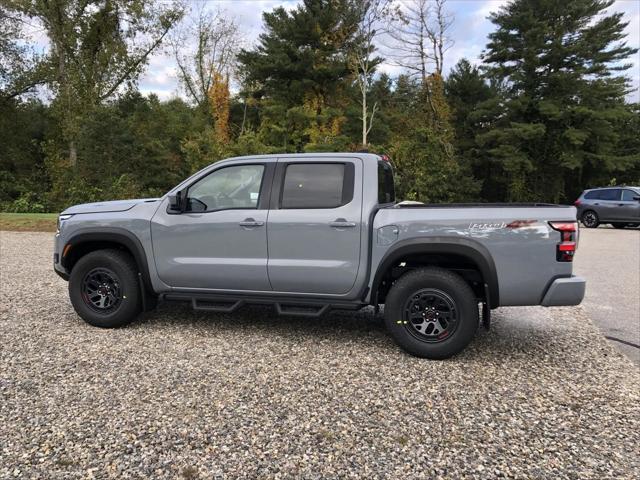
(593, 195)
(386, 188)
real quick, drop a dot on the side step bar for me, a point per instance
(284, 306)
(215, 306)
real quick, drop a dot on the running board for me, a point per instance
(302, 310)
(215, 306)
(284, 306)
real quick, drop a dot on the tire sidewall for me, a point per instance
(130, 303)
(452, 285)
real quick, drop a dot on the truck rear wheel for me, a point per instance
(104, 290)
(431, 313)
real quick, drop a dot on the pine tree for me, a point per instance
(466, 89)
(558, 122)
(301, 61)
(427, 166)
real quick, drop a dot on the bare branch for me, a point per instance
(373, 21)
(206, 46)
(419, 38)
(373, 112)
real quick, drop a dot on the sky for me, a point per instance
(469, 32)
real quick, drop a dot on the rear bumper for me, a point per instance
(564, 291)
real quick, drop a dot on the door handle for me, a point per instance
(341, 223)
(250, 222)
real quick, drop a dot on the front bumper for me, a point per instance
(57, 265)
(62, 273)
(564, 291)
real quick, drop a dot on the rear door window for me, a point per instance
(317, 185)
(610, 194)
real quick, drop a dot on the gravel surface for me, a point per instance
(252, 395)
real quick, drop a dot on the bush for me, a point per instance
(28, 202)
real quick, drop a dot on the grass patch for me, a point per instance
(28, 222)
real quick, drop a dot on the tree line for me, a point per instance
(541, 117)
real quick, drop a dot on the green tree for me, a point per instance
(563, 98)
(466, 89)
(96, 46)
(422, 145)
(23, 127)
(135, 147)
(299, 69)
(20, 68)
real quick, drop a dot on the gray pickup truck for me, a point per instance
(312, 232)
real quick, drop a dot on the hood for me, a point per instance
(104, 207)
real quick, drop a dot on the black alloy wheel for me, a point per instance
(101, 290)
(431, 315)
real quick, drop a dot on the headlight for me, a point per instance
(62, 218)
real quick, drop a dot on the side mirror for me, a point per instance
(176, 202)
(637, 198)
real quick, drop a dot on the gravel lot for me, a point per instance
(253, 395)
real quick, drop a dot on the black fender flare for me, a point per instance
(113, 235)
(464, 247)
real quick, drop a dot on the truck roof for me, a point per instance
(364, 156)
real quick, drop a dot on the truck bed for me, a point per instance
(517, 237)
(477, 205)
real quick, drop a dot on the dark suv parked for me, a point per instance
(619, 206)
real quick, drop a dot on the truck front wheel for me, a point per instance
(104, 290)
(431, 313)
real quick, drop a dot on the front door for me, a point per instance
(629, 207)
(220, 241)
(314, 228)
(608, 204)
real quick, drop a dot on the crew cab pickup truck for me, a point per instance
(308, 233)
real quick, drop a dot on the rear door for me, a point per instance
(315, 225)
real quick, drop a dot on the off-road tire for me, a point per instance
(437, 280)
(122, 265)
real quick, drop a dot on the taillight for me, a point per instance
(566, 249)
(577, 203)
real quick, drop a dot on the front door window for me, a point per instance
(236, 187)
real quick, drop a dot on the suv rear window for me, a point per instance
(317, 185)
(386, 189)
